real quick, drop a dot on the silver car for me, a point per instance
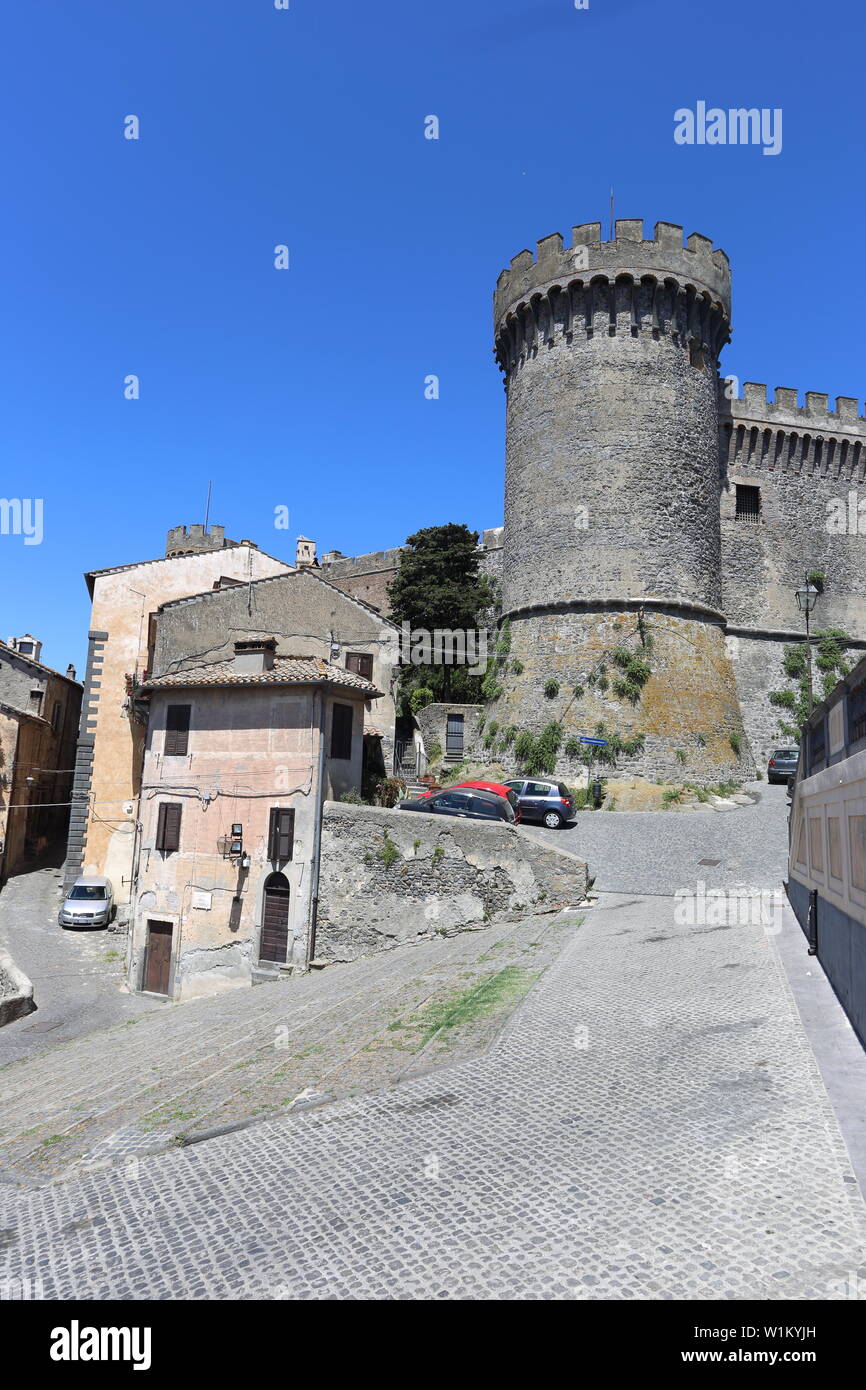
(89, 903)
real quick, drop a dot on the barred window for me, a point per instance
(748, 503)
(857, 713)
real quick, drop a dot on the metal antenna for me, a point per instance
(207, 508)
(611, 214)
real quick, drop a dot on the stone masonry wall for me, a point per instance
(448, 875)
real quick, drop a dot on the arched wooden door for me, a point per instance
(275, 919)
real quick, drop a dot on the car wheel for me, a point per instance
(552, 819)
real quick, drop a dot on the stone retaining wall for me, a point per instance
(16, 991)
(443, 875)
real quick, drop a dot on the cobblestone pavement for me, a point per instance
(650, 1124)
(77, 975)
(189, 1068)
(660, 851)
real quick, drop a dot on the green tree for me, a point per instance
(437, 585)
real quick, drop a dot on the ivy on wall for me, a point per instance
(829, 663)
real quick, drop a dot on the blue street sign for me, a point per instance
(596, 742)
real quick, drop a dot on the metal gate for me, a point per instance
(454, 736)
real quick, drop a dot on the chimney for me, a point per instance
(70, 672)
(255, 655)
(305, 552)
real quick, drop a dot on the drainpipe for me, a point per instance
(317, 836)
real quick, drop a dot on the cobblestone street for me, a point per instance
(651, 1123)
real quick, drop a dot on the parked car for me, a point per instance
(472, 802)
(89, 903)
(498, 788)
(782, 765)
(551, 803)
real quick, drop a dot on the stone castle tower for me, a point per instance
(611, 572)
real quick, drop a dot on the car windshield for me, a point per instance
(89, 892)
(785, 753)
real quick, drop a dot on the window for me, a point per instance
(168, 827)
(177, 730)
(484, 808)
(817, 745)
(748, 505)
(857, 713)
(341, 731)
(538, 789)
(281, 834)
(36, 701)
(25, 648)
(361, 663)
(55, 716)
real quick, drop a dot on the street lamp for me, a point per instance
(807, 597)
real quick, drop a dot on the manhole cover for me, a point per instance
(711, 863)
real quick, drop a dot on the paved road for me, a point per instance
(659, 851)
(77, 976)
(651, 1124)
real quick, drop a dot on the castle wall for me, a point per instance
(810, 466)
(610, 352)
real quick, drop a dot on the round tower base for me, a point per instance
(570, 668)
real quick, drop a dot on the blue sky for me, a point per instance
(305, 388)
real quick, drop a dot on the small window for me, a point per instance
(748, 506)
(696, 354)
(281, 834)
(36, 701)
(341, 732)
(168, 827)
(177, 730)
(538, 789)
(856, 703)
(361, 663)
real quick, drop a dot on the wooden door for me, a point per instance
(275, 920)
(157, 964)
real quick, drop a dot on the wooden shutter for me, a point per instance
(361, 663)
(176, 730)
(281, 834)
(168, 827)
(341, 731)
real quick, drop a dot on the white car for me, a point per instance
(89, 903)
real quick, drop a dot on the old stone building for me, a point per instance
(121, 636)
(39, 713)
(309, 616)
(241, 752)
(657, 521)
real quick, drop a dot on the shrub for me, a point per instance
(573, 747)
(420, 697)
(680, 755)
(438, 855)
(517, 667)
(551, 689)
(736, 743)
(353, 796)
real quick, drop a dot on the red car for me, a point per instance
(498, 787)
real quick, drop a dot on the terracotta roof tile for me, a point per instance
(286, 670)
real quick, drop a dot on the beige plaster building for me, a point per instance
(39, 712)
(102, 829)
(240, 754)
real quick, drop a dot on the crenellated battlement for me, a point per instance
(697, 263)
(755, 407)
